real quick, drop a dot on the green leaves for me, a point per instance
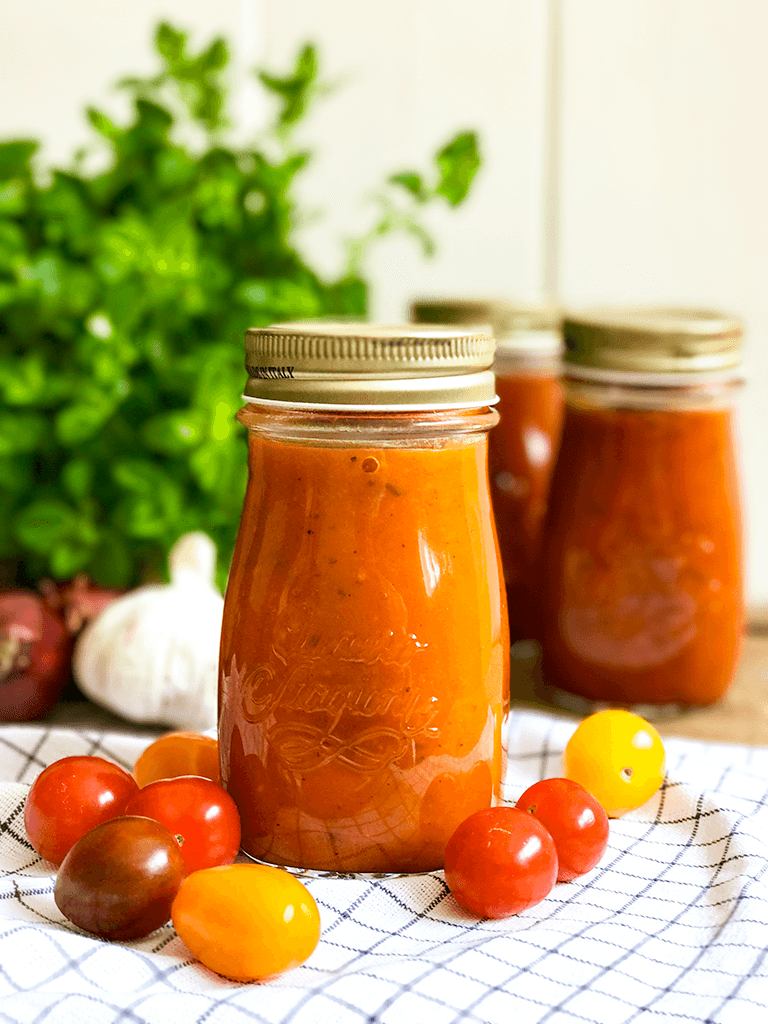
(13, 197)
(23, 380)
(102, 124)
(77, 478)
(45, 522)
(124, 297)
(152, 501)
(21, 432)
(85, 416)
(296, 91)
(67, 219)
(170, 44)
(160, 250)
(280, 299)
(53, 528)
(412, 183)
(199, 76)
(458, 163)
(175, 433)
(15, 176)
(15, 158)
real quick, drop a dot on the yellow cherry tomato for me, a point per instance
(246, 921)
(618, 757)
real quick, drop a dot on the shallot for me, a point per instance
(35, 656)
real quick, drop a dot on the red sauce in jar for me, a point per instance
(364, 656)
(642, 560)
(521, 454)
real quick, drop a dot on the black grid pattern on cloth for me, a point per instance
(672, 925)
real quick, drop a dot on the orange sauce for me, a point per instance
(364, 656)
(642, 557)
(521, 455)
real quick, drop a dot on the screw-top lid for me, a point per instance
(369, 366)
(516, 327)
(655, 341)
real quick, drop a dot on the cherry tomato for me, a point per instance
(69, 798)
(199, 811)
(178, 753)
(120, 879)
(500, 861)
(575, 820)
(246, 921)
(618, 757)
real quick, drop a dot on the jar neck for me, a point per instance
(370, 429)
(604, 394)
(524, 363)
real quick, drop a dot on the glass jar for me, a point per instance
(523, 445)
(364, 663)
(642, 551)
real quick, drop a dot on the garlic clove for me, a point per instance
(193, 558)
(152, 655)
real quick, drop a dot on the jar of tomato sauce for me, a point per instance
(364, 654)
(523, 445)
(642, 549)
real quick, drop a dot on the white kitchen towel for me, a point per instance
(671, 926)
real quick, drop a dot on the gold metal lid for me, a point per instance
(654, 341)
(369, 366)
(516, 327)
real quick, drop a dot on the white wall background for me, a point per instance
(654, 122)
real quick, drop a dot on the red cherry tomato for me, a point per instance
(199, 811)
(69, 798)
(576, 821)
(500, 861)
(178, 753)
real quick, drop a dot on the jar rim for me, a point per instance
(363, 427)
(337, 407)
(653, 379)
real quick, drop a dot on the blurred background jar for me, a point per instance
(642, 549)
(523, 446)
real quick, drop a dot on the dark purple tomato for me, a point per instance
(120, 879)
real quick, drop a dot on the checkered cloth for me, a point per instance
(672, 926)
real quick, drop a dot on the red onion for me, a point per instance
(35, 656)
(77, 601)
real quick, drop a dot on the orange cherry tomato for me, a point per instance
(246, 921)
(178, 753)
(618, 757)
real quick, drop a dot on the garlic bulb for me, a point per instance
(152, 655)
